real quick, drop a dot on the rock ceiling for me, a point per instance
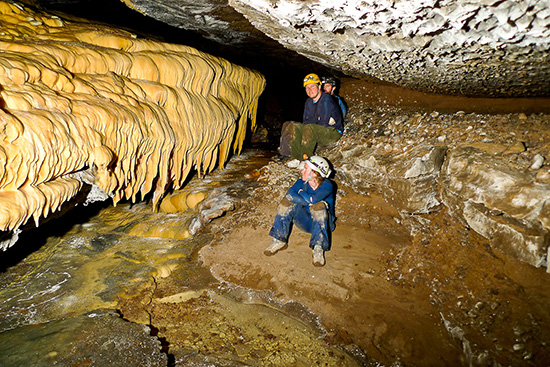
(492, 48)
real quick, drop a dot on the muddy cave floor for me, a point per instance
(439, 297)
(388, 292)
(435, 296)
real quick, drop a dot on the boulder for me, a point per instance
(408, 180)
(502, 202)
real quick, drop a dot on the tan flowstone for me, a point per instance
(138, 114)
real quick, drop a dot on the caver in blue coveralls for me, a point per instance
(311, 210)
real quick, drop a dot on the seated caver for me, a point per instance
(321, 124)
(330, 84)
(308, 204)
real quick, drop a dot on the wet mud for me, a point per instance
(131, 264)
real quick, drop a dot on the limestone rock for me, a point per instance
(538, 161)
(409, 179)
(500, 202)
(482, 175)
(217, 204)
(101, 336)
(427, 164)
(543, 175)
(434, 46)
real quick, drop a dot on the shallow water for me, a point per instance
(132, 262)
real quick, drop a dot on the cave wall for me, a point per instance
(136, 115)
(489, 172)
(488, 48)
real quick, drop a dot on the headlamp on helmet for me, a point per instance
(329, 80)
(312, 79)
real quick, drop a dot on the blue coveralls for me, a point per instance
(311, 210)
(320, 112)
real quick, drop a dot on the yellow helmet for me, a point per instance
(312, 79)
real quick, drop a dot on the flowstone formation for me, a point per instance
(82, 103)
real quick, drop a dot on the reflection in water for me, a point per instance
(116, 258)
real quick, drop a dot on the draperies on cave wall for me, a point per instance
(140, 114)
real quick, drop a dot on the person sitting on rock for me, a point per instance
(330, 85)
(321, 125)
(309, 204)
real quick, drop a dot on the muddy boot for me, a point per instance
(276, 246)
(318, 256)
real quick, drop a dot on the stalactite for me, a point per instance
(140, 114)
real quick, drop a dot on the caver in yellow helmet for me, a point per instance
(312, 79)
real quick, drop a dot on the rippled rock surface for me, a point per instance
(99, 338)
(464, 47)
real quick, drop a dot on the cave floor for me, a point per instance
(436, 296)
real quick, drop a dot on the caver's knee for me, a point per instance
(288, 129)
(319, 206)
(286, 203)
(318, 211)
(286, 124)
(285, 206)
(307, 134)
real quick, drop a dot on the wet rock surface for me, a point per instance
(228, 326)
(136, 267)
(82, 341)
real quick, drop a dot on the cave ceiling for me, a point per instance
(491, 48)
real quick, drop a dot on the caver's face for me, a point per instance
(328, 88)
(313, 91)
(306, 172)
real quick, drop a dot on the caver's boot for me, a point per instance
(318, 256)
(276, 246)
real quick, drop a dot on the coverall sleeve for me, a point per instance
(321, 194)
(301, 193)
(295, 193)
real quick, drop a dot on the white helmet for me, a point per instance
(319, 164)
